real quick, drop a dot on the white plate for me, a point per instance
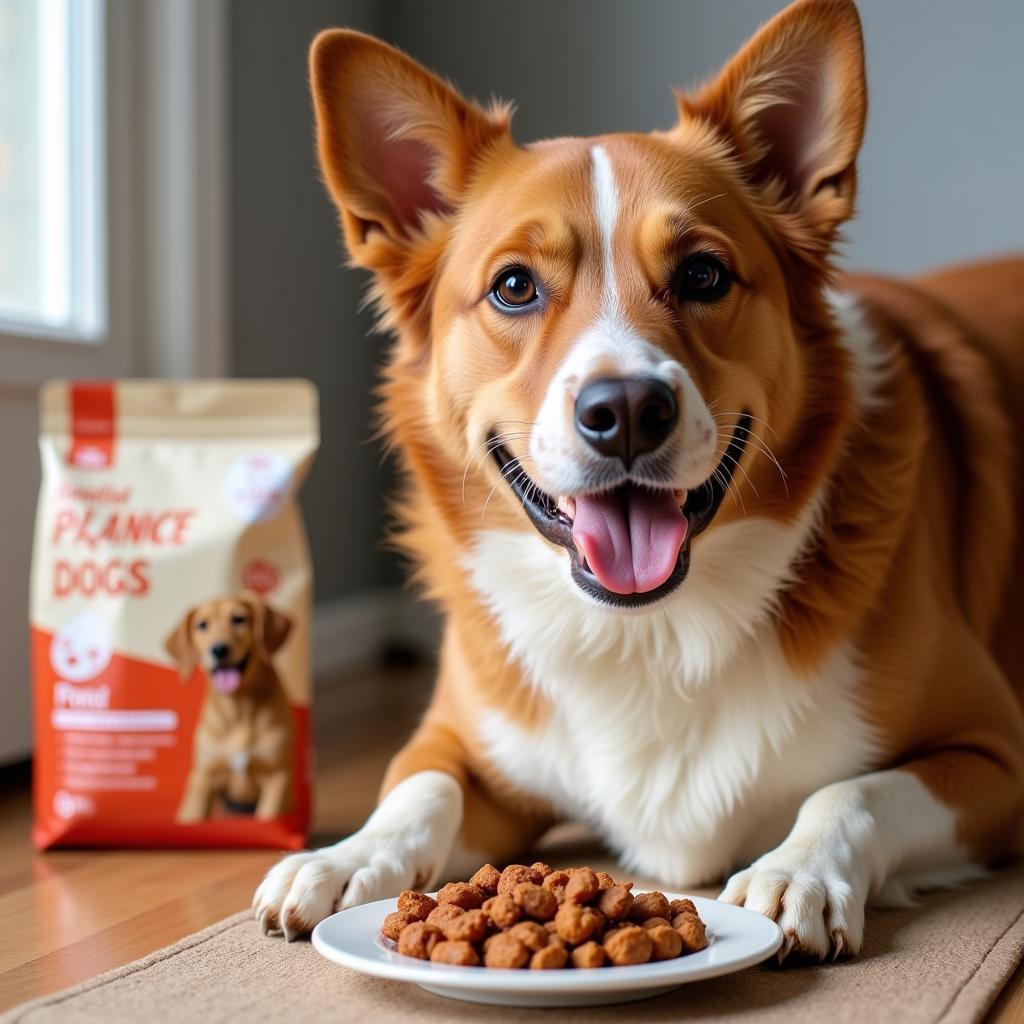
(738, 938)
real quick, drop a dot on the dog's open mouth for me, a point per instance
(228, 678)
(629, 546)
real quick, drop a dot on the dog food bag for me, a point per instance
(170, 614)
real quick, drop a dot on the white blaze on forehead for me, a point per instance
(611, 346)
(606, 208)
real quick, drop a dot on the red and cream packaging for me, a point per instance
(170, 614)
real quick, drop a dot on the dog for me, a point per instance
(243, 745)
(725, 545)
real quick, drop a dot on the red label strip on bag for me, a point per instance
(92, 425)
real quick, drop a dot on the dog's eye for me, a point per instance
(238, 620)
(202, 624)
(701, 279)
(513, 289)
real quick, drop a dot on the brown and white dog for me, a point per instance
(243, 745)
(727, 548)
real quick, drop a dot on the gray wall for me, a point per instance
(940, 172)
(294, 307)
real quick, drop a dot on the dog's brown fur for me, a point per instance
(912, 567)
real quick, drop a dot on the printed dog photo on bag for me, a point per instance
(243, 743)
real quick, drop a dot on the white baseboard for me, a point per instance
(351, 632)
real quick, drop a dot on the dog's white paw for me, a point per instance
(404, 845)
(304, 888)
(808, 892)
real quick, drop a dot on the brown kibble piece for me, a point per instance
(604, 880)
(418, 939)
(486, 879)
(460, 953)
(444, 913)
(394, 923)
(629, 945)
(555, 883)
(469, 926)
(667, 943)
(682, 907)
(511, 877)
(505, 951)
(655, 922)
(535, 901)
(693, 933)
(582, 886)
(590, 954)
(532, 935)
(616, 902)
(576, 924)
(502, 910)
(540, 871)
(549, 958)
(649, 904)
(461, 895)
(416, 903)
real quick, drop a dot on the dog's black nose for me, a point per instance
(220, 651)
(626, 417)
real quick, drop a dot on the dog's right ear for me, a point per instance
(179, 646)
(397, 145)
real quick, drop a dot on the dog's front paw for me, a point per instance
(302, 889)
(807, 891)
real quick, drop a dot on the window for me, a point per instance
(52, 145)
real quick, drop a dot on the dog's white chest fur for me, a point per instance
(680, 734)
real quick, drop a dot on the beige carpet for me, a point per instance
(945, 961)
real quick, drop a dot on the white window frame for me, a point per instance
(166, 209)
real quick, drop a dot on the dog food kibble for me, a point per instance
(535, 901)
(512, 876)
(549, 958)
(666, 941)
(629, 945)
(394, 923)
(416, 903)
(590, 954)
(461, 895)
(462, 954)
(649, 904)
(505, 951)
(532, 935)
(582, 886)
(555, 883)
(543, 919)
(502, 911)
(616, 902)
(441, 915)
(693, 933)
(469, 926)
(682, 907)
(576, 924)
(654, 922)
(419, 939)
(540, 871)
(486, 879)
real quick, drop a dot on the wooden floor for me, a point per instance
(72, 914)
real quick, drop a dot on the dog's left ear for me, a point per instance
(179, 645)
(792, 105)
(272, 626)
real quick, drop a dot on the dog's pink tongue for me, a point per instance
(631, 537)
(226, 680)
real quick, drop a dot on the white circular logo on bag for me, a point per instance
(81, 649)
(256, 485)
